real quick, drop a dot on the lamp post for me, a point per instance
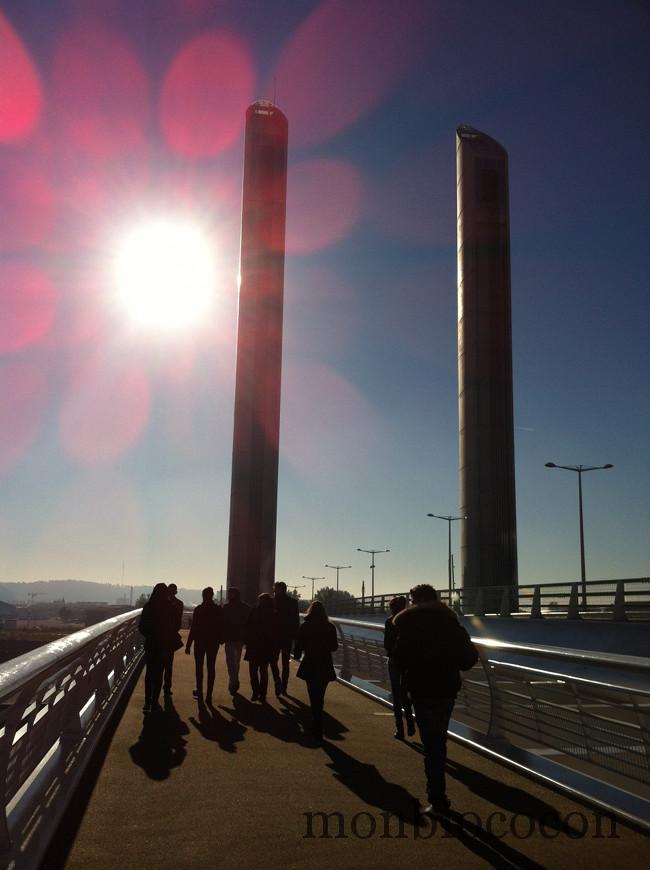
(372, 570)
(338, 568)
(579, 469)
(313, 579)
(449, 520)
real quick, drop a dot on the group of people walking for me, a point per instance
(425, 644)
(269, 632)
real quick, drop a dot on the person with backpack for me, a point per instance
(431, 648)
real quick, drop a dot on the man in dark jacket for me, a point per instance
(235, 622)
(286, 606)
(205, 634)
(177, 610)
(431, 647)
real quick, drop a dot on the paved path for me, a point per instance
(233, 787)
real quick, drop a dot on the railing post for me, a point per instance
(505, 602)
(573, 612)
(479, 606)
(536, 606)
(619, 602)
(495, 727)
(346, 673)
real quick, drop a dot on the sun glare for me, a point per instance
(165, 275)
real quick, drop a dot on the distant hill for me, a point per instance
(82, 590)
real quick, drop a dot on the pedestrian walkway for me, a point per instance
(242, 785)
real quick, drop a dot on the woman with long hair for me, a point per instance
(157, 624)
(263, 646)
(317, 641)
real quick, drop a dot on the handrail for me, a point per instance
(623, 598)
(584, 727)
(55, 703)
(539, 650)
(23, 667)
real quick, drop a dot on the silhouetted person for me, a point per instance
(402, 707)
(235, 623)
(286, 606)
(157, 624)
(177, 610)
(205, 634)
(317, 640)
(432, 647)
(262, 645)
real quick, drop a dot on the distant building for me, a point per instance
(488, 547)
(254, 485)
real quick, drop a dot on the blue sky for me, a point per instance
(115, 445)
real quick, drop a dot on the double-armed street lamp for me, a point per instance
(372, 568)
(313, 579)
(338, 568)
(449, 520)
(580, 469)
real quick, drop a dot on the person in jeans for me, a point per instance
(235, 623)
(402, 707)
(431, 647)
(177, 611)
(317, 639)
(286, 607)
(263, 646)
(205, 634)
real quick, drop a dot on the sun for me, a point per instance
(165, 275)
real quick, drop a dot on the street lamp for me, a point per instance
(372, 570)
(579, 469)
(338, 568)
(449, 520)
(304, 577)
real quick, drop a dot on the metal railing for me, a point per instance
(54, 705)
(584, 714)
(619, 600)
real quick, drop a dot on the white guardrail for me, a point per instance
(578, 719)
(54, 705)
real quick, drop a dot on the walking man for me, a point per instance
(205, 633)
(402, 707)
(431, 647)
(286, 606)
(177, 611)
(235, 622)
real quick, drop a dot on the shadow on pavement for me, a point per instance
(365, 781)
(161, 745)
(483, 844)
(513, 800)
(226, 733)
(282, 724)
(332, 728)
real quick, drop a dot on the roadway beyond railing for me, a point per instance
(54, 705)
(619, 600)
(576, 718)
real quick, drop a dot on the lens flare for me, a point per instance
(205, 92)
(165, 275)
(100, 92)
(21, 98)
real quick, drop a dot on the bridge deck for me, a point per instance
(231, 787)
